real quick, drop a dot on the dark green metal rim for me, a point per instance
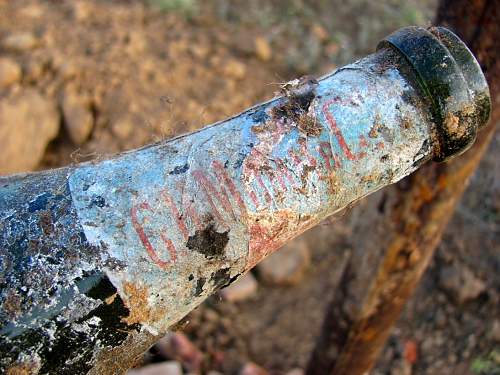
(471, 70)
(451, 79)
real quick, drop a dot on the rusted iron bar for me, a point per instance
(99, 259)
(360, 317)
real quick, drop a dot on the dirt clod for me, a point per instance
(28, 122)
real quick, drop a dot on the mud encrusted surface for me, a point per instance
(114, 75)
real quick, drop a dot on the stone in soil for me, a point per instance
(495, 330)
(235, 69)
(35, 69)
(460, 283)
(400, 367)
(178, 346)
(123, 126)
(163, 368)
(20, 42)
(287, 266)
(251, 368)
(28, 122)
(262, 49)
(242, 289)
(10, 72)
(78, 119)
(81, 10)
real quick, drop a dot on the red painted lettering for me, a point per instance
(145, 241)
(335, 130)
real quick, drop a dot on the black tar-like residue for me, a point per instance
(222, 278)
(180, 169)
(199, 286)
(208, 242)
(260, 115)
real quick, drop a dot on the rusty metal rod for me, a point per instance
(100, 258)
(352, 337)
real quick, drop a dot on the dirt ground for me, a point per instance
(121, 74)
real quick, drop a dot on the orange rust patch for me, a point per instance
(308, 125)
(18, 370)
(259, 128)
(426, 193)
(23, 369)
(333, 182)
(406, 123)
(306, 169)
(375, 127)
(270, 232)
(12, 304)
(110, 299)
(452, 124)
(373, 177)
(137, 303)
(442, 182)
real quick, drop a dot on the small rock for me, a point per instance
(320, 32)
(235, 69)
(331, 49)
(81, 10)
(28, 122)
(123, 126)
(136, 42)
(251, 368)
(78, 119)
(263, 50)
(68, 70)
(178, 346)
(31, 11)
(10, 72)
(242, 289)
(34, 70)
(20, 42)
(410, 352)
(286, 266)
(495, 330)
(400, 367)
(210, 315)
(200, 51)
(162, 368)
(440, 318)
(460, 283)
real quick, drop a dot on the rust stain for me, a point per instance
(308, 125)
(12, 304)
(118, 360)
(452, 124)
(270, 231)
(373, 133)
(19, 370)
(333, 182)
(110, 299)
(406, 123)
(136, 297)
(262, 128)
(373, 177)
(28, 367)
(306, 169)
